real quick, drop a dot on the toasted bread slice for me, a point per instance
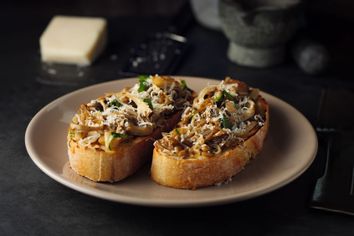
(111, 137)
(215, 139)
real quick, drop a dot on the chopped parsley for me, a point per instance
(177, 131)
(148, 101)
(184, 84)
(236, 105)
(115, 103)
(218, 97)
(143, 86)
(228, 95)
(113, 135)
(225, 123)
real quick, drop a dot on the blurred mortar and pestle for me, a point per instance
(258, 30)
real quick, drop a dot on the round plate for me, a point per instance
(289, 149)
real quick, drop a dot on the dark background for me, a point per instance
(33, 204)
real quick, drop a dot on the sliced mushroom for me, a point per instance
(207, 103)
(244, 132)
(92, 137)
(207, 91)
(229, 80)
(209, 134)
(142, 107)
(204, 94)
(247, 111)
(163, 81)
(242, 88)
(230, 106)
(139, 130)
(216, 149)
(109, 141)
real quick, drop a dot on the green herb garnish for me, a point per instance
(228, 95)
(177, 131)
(108, 138)
(115, 103)
(142, 83)
(119, 135)
(225, 123)
(143, 77)
(148, 101)
(236, 105)
(184, 84)
(218, 97)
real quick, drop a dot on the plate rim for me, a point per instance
(159, 203)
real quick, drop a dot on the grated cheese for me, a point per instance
(121, 112)
(202, 124)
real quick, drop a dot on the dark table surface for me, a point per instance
(31, 203)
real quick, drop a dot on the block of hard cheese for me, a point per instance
(73, 40)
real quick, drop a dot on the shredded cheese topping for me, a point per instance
(222, 116)
(116, 117)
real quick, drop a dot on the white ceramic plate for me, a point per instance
(289, 150)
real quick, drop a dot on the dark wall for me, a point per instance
(108, 8)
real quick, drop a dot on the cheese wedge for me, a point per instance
(73, 40)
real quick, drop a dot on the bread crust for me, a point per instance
(194, 173)
(101, 166)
